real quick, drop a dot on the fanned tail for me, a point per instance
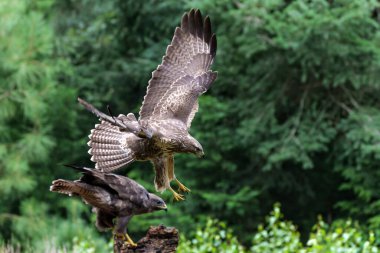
(109, 147)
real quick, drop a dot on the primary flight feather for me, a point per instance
(167, 111)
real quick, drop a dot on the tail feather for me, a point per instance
(104, 138)
(107, 128)
(95, 146)
(109, 147)
(64, 187)
(90, 194)
(105, 151)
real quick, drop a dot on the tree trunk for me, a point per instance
(159, 239)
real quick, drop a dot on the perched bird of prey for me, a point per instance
(113, 197)
(168, 108)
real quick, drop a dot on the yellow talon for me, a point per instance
(126, 239)
(182, 187)
(177, 196)
(130, 241)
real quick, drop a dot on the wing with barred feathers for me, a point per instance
(184, 73)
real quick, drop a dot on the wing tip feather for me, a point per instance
(201, 28)
(192, 29)
(207, 29)
(185, 22)
(213, 45)
(198, 23)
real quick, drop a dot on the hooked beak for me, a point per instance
(145, 133)
(200, 154)
(163, 207)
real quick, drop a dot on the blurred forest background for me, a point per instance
(293, 119)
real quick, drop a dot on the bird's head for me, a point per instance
(194, 147)
(156, 203)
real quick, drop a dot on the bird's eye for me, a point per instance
(159, 202)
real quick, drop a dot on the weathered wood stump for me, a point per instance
(159, 239)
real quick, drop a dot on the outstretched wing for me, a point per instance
(184, 73)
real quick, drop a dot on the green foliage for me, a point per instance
(26, 77)
(37, 125)
(214, 237)
(300, 81)
(87, 245)
(343, 237)
(293, 116)
(277, 236)
(35, 226)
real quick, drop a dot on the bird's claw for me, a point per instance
(182, 187)
(132, 244)
(126, 239)
(129, 241)
(177, 196)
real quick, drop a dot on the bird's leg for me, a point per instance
(129, 240)
(120, 230)
(176, 196)
(117, 236)
(182, 187)
(170, 166)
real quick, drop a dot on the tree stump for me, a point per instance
(159, 239)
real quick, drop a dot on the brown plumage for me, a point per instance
(168, 108)
(115, 198)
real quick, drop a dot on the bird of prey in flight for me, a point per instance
(115, 198)
(168, 109)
